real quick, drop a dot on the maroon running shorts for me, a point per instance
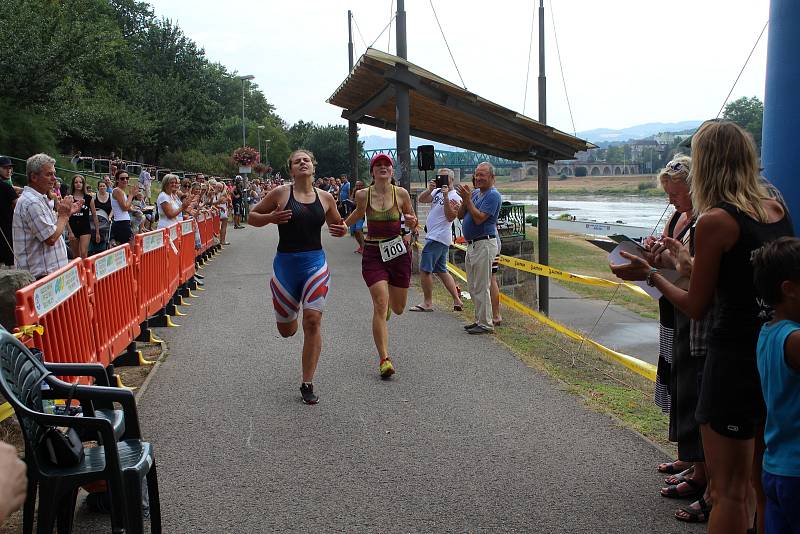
(397, 271)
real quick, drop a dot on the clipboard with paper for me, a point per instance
(634, 248)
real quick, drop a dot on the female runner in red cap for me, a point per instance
(386, 261)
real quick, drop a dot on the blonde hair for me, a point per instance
(677, 170)
(169, 178)
(725, 169)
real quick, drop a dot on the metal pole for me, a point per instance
(352, 127)
(403, 170)
(259, 143)
(781, 111)
(544, 252)
(244, 139)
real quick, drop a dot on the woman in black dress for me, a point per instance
(80, 229)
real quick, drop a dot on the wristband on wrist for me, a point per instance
(649, 278)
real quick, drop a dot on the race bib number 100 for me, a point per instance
(392, 249)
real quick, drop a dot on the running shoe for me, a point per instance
(386, 368)
(470, 326)
(307, 391)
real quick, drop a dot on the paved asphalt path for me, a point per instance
(464, 438)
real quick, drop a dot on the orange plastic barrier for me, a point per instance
(206, 232)
(151, 265)
(173, 270)
(112, 292)
(60, 303)
(216, 225)
(187, 251)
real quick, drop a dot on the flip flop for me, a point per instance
(694, 515)
(419, 308)
(670, 468)
(674, 480)
(697, 490)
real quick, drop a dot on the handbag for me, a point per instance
(63, 446)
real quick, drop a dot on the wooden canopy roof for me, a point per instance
(442, 111)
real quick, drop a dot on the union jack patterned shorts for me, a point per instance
(299, 280)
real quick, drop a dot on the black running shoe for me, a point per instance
(307, 391)
(470, 325)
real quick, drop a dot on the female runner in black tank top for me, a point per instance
(735, 217)
(300, 273)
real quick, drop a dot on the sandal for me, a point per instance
(419, 308)
(458, 307)
(694, 515)
(673, 468)
(672, 492)
(674, 480)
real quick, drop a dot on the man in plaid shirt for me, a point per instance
(38, 231)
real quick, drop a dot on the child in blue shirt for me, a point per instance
(776, 269)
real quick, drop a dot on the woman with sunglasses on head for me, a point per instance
(80, 228)
(121, 206)
(386, 259)
(170, 207)
(736, 216)
(300, 276)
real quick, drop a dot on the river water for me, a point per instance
(630, 210)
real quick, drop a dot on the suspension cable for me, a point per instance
(743, 67)
(381, 34)
(359, 31)
(528, 72)
(561, 67)
(447, 44)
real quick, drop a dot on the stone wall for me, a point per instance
(10, 281)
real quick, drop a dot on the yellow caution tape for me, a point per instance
(6, 411)
(645, 369)
(546, 270)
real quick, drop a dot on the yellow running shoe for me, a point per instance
(386, 368)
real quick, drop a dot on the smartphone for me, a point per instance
(442, 179)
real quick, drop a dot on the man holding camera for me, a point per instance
(438, 238)
(479, 211)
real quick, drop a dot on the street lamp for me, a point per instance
(266, 146)
(260, 127)
(244, 78)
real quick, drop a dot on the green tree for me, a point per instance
(747, 113)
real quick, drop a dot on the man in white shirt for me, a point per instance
(145, 179)
(38, 232)
(438, 238)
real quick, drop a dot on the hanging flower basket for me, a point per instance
(245, 156)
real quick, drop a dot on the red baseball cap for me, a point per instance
(378, 157)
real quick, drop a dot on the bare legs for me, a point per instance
(494, 295)
(80, 246)
(358, 235)
(385, 297)
(223, 231)
(312, 340)
(730, 463)
(426, 281)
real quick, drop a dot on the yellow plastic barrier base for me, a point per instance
(154, 338)
(192, 295)
(170, 323)
(142, 360)
(178, 313)
(121, 385)
(198, 288)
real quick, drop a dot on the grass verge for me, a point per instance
(604, 385)
(571, 252)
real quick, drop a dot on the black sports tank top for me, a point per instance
(105, 206)
(302, 232)
(738, 314)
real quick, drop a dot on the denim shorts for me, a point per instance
(434, 257)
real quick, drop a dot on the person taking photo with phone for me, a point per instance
(438, 238)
